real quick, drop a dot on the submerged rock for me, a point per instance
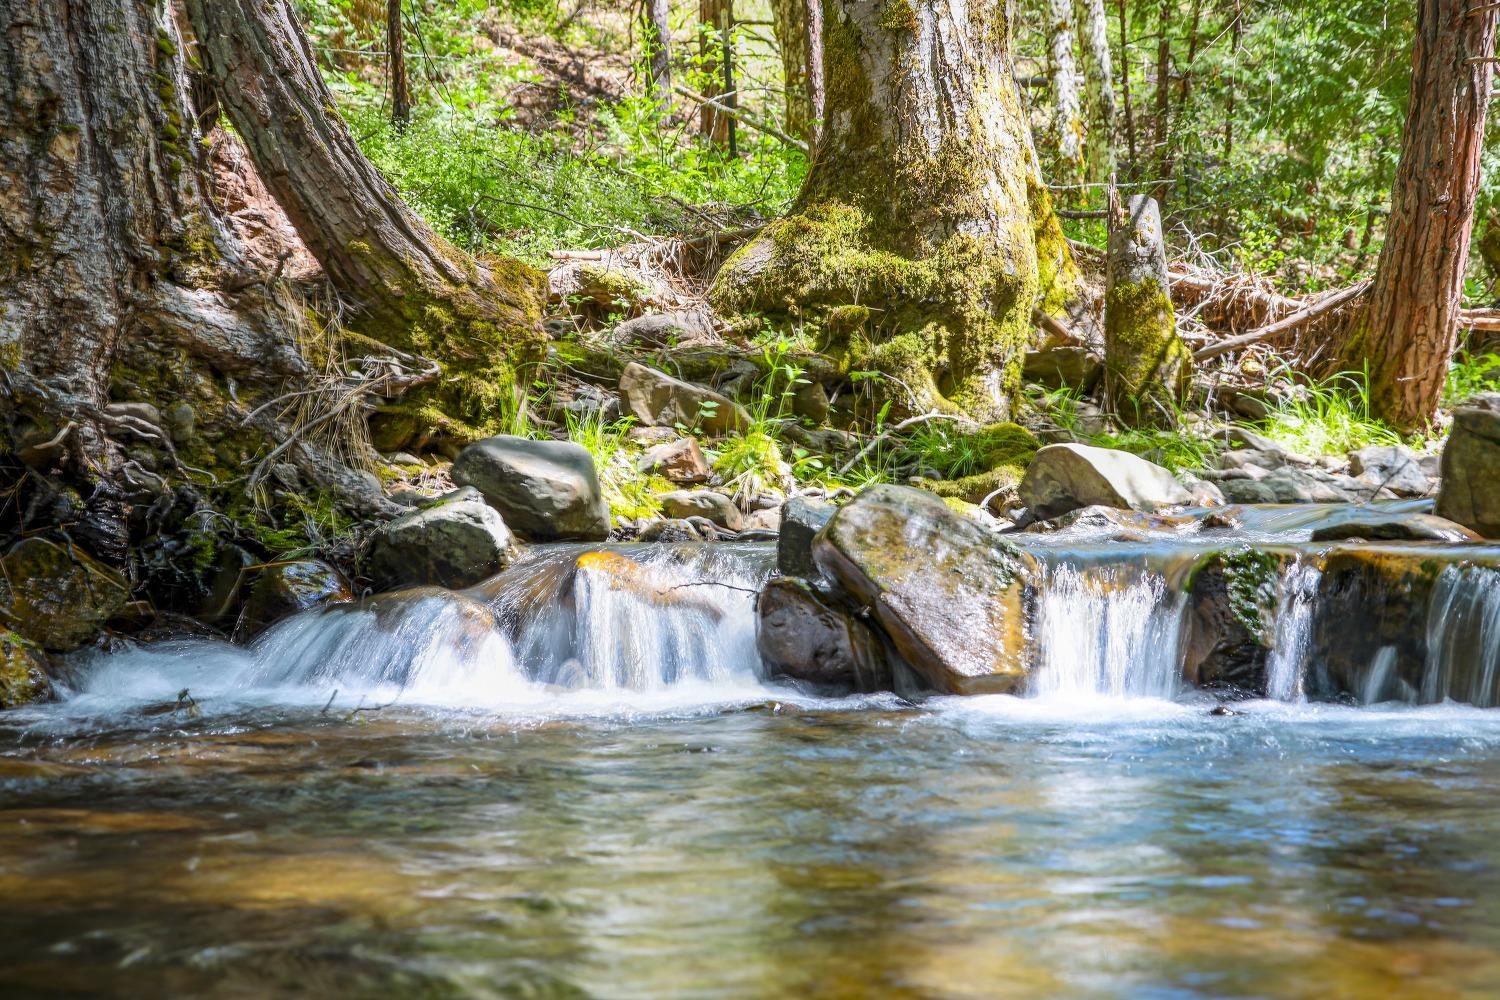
(23, 672)
(801, 635)
(657, 399)
(546, 489)
(801, 520)
(284, 588)
(1470, 493)
(1065, 477)
(455, 543)
(716, 507)
(1398, 528)
(57, 596)
(950, 595)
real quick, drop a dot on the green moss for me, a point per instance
(1251, 578)
(1058, 276)
(1148, 363)
(899, 15)
(23, 677)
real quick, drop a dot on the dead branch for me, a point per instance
(1324, 305)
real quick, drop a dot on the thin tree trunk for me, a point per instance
(1185, 84)
(1067, 108)
(1237, 35)
(795, 32)
(1125, 85)
(408, 287)
(915, 239)
(817, 87)
(659, 49)
(1161, 137)
(712, 17)
(1407, 332)
(1096, 29)
(396, 47)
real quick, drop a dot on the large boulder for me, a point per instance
(1065, 477)
(283, 588)
(545, 489)
(803, 636)
(456, 543)
(56, 595)
(950, 595)
(1470, 493)
(657, 399)
(801, 520)
(716, 507)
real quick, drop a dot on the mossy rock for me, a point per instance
(57, 596)
(23, 672)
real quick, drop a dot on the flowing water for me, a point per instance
(573, 781)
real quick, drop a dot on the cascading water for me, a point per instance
(1463, 637)
(1113, 630)
(1291, 639)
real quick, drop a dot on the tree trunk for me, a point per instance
(714, 17)
(1145, 363)
(798, 27)
(915, 239)
(1102, 83)
(1125, 85)
(659, 49)
(1066, 106)
(396, 60)
(406, 286)
(1406, 334)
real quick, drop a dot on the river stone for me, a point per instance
(949, 594)
(1289, 485)
(801, 635)
(456, 543)
(1391, 466)
(801, 520)
(679, 461)
(657, 399)
(57, 596)
(1064, 477)
(23, 672)
(545, 489)
(1470, 493)
(670, 529)
(717, 507)
(279, 589)
(1397, 528)
(1232, 596)
(665, 329)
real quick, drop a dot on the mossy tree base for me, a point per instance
(1146, 364)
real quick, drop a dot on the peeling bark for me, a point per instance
(1101, 80)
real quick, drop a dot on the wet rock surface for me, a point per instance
(455, 543)
(1065, 477)
(23, 672)
(56, 595)
(545, 489)
(1470, 492)
(1402, 528)
(276, 590)
(804, 636)
(801, 520)
(949, 594)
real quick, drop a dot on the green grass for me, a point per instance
(1332, 417)
(1471, 375)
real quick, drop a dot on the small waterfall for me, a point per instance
(1463, 637)
(1113, 630)
(1291, 637)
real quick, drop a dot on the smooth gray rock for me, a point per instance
(1393, 467)
(803, 635)
(665, 329)
(717, 507)
(657, 399)
(1065, 477)
(456, 543)
(801, 520)
(544, 489)
(1287, 485)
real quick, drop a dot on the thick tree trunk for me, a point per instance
(1407, 332)
(396, 61)
(408, 287)
(1101, 82)
(659, 49)
(1145, 363)
(1067, 108)
(798, 27)
(915, 239)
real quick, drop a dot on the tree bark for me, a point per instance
(714, 17)
(1125, 84)
(917, 236)
(395, 45)
(1102, 83)
(408, 287)
(1407, 332)
(1146, 364)
(659, 49)
(1066, 106)
(798, 25)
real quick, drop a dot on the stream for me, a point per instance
(574, 781)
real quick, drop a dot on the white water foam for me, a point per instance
(1463, 637)
(1291, 635)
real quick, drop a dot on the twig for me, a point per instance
(1324, 305)
(894, 429)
